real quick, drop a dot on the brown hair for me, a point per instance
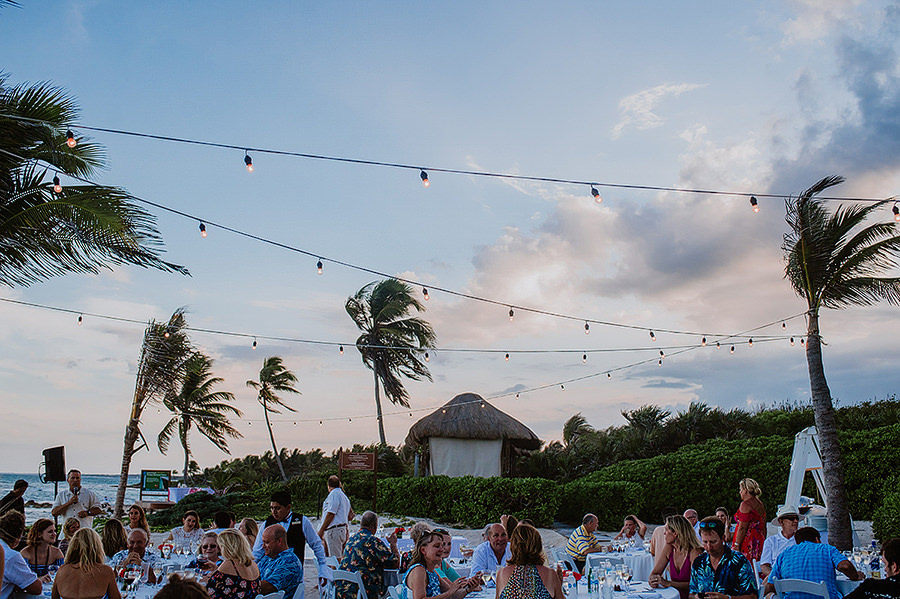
(113, 537)
(67, 525)
(181, 588)
(525, 546)
(142, 523)
(12, 525)
(85, 549)
(417, 557)
(37, 529)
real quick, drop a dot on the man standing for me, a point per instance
(582, 541)
(76, 502)
(336, 516)
(810, 560)
(889, 587)
(719, 572)
(13, 500)
(279, 567)
(493, 553)
(136, 555)
(298, 530)
(789, 519)
(369, 556)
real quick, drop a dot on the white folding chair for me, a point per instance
(354, 577)
(759, 581)
(595, 559)
(396, 592)
(561, 555)
(275, 595)
(789, 585)
(332, 562)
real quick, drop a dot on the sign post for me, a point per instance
(363, 461)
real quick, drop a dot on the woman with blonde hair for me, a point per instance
(525, 576)
(69, 528)
(84, 575)
(40, 553)
(679, 552)
(238, 576)
(750, 533)
(250, 529)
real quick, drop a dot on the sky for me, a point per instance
(754, 97)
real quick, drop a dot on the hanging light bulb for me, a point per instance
(750, 342)
(57, 187)
(563, 387)
(249, 423)
(425, 293)
(507, 357)
(754, 203)
(410, 414)
(319, 266)
(732, 349)
(801, 341)
(652, 336)
(584, 358)
(662, 354)
(444, 410)
(320, 423)
(660, 361)
(482, 404)
(248, 161)
(341, 350)
(70, 139)
(792, 342)
(350, 419)
(896, 212)
(166, 334)
(783, 327)
(424, 177)
(517, 396)
(596, 194)
(426, 356)
(295, 424)
(718, 345)
(80, 319)
(609, 376)
(254, 343)
(587, 328)
(511, 314)
(202, 230)
(703, 342)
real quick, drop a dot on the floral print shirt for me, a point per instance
(367, 554)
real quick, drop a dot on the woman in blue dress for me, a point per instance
(40, 554)
(422, 580)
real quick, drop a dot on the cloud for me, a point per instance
(636, 110)
(816, 19)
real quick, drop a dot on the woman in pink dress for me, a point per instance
(679, 552)
(751, 521)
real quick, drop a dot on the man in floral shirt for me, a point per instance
(719, 572)
(367, 554)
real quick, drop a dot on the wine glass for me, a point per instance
(157, 572)
(487, 576)
(167, 550)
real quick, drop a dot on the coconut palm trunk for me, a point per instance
(274, 448)
(840, 533)
(378, 410)
(187, 449)
(131, 436)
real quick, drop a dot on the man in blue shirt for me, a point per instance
(810, 560)
(719, 572)
(279, 567)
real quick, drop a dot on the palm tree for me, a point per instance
(196, 404)
(834, 261)
(47, 232)
(274, 378)
(392, 343)
(161, 366)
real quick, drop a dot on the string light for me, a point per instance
(341, 350)
(652, 336)
(596, 194)
(319, 266)
(320, 423)
(609, 376)
(517, 396)
(444, 410)
(70, 139)
(295, 424)
(248, 161)
(511, 314)
(587, 328)
(202, 230)
(660, 361)
(896, 212)
(254, 343)
(792, 342)
(166, 334)
(754, 203)
(57, 187)
(410, 415)
(732, 349)
(783, 327)
(424, 177)
(80, 319)
(703, 342)
(718, 345)
(425, 293)
(584, 358)
(563, 387)
(507, 357)
(482, 404)
(662, 354)
(801, 341)
(426, 356)
(750, 342)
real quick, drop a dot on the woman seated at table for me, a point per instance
(525, 576)
(421, 580)
(249, 528)
(415, 533)
(70, 527)
(237, 577)
(209, 558)
(189, 533)
(84, 575)
(723, 515)
(445, 570)
(113, 537)
(137, 519)
(679, 552)
(40, 553)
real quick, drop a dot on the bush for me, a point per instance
(609, 501)
(886, 519)
(203, 503)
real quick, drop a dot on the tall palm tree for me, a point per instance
(79, 228)
(196, 404)
(833, 260)
(274, 378)
(162, 363)
(392, 343)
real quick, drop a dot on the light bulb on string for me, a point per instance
(444, 411)
(754, 203)
(584, 358)
(70, 139)
(425, 293)
(410, 415)
(652, 336)
(80, 319)
(660, 361)
(249, 423)
(662, 354)
(517, 396)
(783, 327)
(166, 334)
(801, 341)
(896, 212)
(482, 404)
(703, 342)
(295, 423)
(202, 230)
(57, 186)
(350, 419)
(319, 266)
(254, 343)
(426, 356)
(718, 345)
(320, 423)
(587, 328)
(732, 349)
(248, 161)
(507, 357)
(750, 342)
(792, 342)
(424, 177)
(563, 387)
(341, 350)
(511, 314)
(596, 194)
(609, 376)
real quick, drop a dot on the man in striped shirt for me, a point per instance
(582, 541)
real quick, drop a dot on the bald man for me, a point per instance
(136, 554)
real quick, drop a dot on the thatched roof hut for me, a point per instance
(468, 435)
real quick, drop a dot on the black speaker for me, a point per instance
(55, 464)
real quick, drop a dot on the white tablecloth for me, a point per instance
(640, 562)
(176, 494)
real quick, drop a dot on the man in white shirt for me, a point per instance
(336, 516)
(76, 502)
(789, 519)
(493, 553)
(16, 573)
(694, 519)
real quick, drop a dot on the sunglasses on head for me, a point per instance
(208, 546)
(440, 531)
(709, 524)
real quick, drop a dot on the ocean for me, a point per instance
(104, 485)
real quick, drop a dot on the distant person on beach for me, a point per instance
(113, 538)
(76, 502)
(69, 528)
(367, 554)
(84, 575)
(632, 528)
(810, 559)
(16, 573)
(41, 553)
(789, 518)
(336, 515)
(888, 587)
(137, 518)
(493, 553)
(750, 533)
(137, 554)
(582, 541)
(719, 572)
(189, 532)
(525, 576)
(13, 500)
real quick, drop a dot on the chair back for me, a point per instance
(396, 592)
(354, 577)
(561, 555)
(790, 585)
(759, 582)
(595, 559)
(332, 562)
(275, 595)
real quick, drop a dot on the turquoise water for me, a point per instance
(104, 485)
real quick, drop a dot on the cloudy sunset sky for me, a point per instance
(753, 97)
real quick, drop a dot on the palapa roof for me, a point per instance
(470, 416)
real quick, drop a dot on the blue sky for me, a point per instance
(752, 97)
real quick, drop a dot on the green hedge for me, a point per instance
(204, 504)
(886, 519)
(609, 501)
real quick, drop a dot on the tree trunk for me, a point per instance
(274, 449)
(131, 436)
(840, 533)
(187, 453)
(378, 411)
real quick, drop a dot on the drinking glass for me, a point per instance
(487, 576)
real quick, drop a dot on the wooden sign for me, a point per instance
(357, 460)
